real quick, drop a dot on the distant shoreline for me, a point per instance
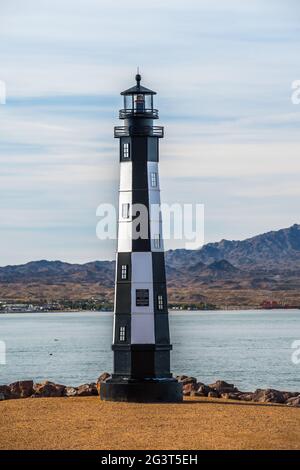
(171, 310)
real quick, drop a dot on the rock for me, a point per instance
(197, 390)
(223, 387)
(200, 384)
(70, 391)
(293, 401)
(195, 393)
(103, 377)
(287, 395)
(21, 389)
(203, 390)
(180, 378)
(48, 389)
(189, 387)
(231, 396)
(268, 396)
(189, 384)
(245, 396)
(213, 394)
(5, 391)
(189, 380)
(225, 395)
(87, 390)
(2, 396)
(186, 380)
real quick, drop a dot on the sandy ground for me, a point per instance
(88, 423)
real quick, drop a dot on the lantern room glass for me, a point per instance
(138, 103)
(128, 102)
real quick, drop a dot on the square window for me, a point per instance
(125, 211)
(124, 270)
(122, 333)
(160, 302)
(156, 241)
(126, 150)
(154, 180)
(142, 297)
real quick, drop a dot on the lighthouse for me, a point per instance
(141, 339)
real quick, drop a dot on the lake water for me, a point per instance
(252, 349)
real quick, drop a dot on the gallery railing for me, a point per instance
(146, 112)
(126, 131)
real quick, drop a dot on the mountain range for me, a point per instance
(226, 273)
(272, 250)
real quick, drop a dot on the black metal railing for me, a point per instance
(147, 112)
(126, 131)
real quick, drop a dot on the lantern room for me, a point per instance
(138, 101)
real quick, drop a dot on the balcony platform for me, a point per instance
(150, 131)
(148, 113)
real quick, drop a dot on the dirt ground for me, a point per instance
(88, 423)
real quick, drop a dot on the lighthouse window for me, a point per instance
(125, 211)
(142, 297)
(153, 180)
(124, 270)
(160, 302)
(126, 150)
(122, 333)
(156, 241)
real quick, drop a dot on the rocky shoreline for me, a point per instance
(191, 387)
(221, 389)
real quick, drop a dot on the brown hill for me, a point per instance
(227, 273)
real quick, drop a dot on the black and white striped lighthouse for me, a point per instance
(141, 341)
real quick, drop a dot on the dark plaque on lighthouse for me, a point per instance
(141, 339)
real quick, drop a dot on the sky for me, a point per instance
(223, 72)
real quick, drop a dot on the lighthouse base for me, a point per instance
(142, 391)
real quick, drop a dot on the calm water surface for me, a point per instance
(249, 348)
